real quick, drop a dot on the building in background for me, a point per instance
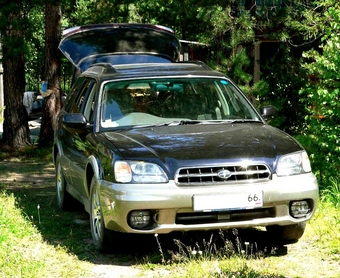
(193, 51)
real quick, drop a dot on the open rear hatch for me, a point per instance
(119, 43)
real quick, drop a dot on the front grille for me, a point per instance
(214, 175)
(223, 216)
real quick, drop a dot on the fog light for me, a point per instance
(299, 209)
(140, 219)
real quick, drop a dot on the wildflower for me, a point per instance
(218, 270)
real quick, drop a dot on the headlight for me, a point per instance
(293, 164)
(139, 172)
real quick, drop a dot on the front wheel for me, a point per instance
(287, 234)
(102, 237)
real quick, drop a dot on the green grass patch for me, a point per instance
(331, 193)
(23, 251)
(71, 230)
(32, 153)
(324, 229)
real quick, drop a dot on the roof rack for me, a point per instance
(196, 62)
(104, 67)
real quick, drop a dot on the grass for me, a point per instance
(24, 253)
(35, 239)
(326, 229)
(29, 153)
(331, 193)
(316, 255)
(38, 240)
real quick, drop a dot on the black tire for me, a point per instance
(287, 234)
(102, 237)
(64, 199)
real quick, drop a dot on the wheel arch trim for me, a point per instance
(57, 150)
(93, 168)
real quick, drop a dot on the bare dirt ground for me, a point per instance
(302, 259)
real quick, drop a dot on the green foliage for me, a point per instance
(322, 129)
(34, 38)
(97, 11)
(230, 39)
(284, 77)
(12, 14)
(30, 23)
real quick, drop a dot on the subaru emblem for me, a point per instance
(224, 174)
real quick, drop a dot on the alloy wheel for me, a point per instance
(96, 216)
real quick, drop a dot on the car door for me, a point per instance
(73, 139)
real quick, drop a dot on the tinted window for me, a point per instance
(80, 100)
(73, 94)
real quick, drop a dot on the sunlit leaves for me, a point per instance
(324, 97)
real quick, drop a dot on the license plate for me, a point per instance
(232, 201)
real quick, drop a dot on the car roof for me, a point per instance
(119, 43)
(106, 71)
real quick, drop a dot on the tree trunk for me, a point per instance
(15, 127)
(52, 70)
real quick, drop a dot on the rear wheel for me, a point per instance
(64, 199)
(287, 234)
(102, 237)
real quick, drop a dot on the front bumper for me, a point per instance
(172, 207)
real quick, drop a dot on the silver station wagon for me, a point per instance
(152, 145)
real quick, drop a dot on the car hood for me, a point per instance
(119, 44)
(189, 145)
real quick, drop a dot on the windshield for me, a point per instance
(173, 100)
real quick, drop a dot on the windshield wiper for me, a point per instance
(182, 122)
(195, 122)
(170, 123)
(244, 121)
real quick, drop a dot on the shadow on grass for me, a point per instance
(72, 231)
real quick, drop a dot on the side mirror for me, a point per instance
(268, 111)
(77, 121)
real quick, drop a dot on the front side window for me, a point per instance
(158, 101)
(72, 97)
(78, 97)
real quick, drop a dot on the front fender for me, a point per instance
(94, 166)
(57, 149)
